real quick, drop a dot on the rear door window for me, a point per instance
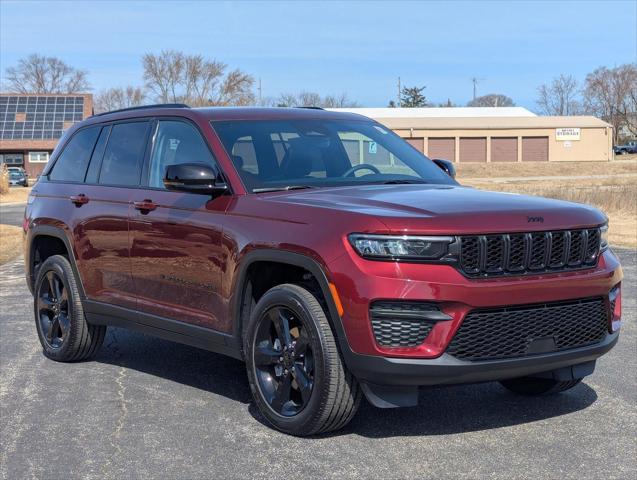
(124, 154)
(74, 159)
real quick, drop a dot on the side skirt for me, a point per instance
(99, 313)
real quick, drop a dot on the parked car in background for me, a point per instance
(629, 147)
(319, 247)
(18, 176)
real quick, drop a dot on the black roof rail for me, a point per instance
(145, 107)
(314, 108)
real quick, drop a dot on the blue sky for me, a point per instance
(355, 47)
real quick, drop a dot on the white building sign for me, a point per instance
(567, 134)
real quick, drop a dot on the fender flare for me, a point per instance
(59, 233)
(294, 259)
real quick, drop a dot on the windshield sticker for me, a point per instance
(373, 147)
(174, 143)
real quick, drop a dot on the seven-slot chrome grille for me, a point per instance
(525, 253)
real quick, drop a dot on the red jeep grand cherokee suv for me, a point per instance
(320, 248)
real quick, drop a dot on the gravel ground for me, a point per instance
(148, 408)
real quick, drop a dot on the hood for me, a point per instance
(447, 209)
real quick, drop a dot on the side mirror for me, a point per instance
(193, 178)
(447, 166)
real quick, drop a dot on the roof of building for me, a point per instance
(42, 117)
(499, 123)
(443, 112)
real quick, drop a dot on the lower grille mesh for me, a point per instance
(398, 330)
(516, 332)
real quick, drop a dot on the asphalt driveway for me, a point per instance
(12, 214)
(148, 408)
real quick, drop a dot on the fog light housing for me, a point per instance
(615, 300)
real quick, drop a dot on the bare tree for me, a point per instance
(40, 74)
(176, 77)
(560, 96)
(611, 93)
(119, 97)
(491, 100)
(313, 99)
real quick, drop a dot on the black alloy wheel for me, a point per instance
(296, 374)
(284, 361)
(60, 322)
(53, 310)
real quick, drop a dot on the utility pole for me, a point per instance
(399, 90)
(260, 97)
(475, 86)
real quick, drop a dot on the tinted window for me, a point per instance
(122, 163)
(72, 163)
(175, 143)
(96, 158)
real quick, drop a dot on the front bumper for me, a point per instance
(449, 370)
(361, 282)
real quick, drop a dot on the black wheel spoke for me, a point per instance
(64, 324)
(50, 281)
(304, 383)
(282, 326)
(265, 354)
(54, 326)
(64, 299)
(282, 393)
(45, 304)
(57, 287)
(302, 343)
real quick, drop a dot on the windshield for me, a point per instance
(272, 155)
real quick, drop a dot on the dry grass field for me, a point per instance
(15, 195)
(627, 165)
(611, 187)
(10, 242)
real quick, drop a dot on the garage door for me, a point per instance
(444, 148)
(504, 149)
(417, 143)
(535, 149)
(473, 150)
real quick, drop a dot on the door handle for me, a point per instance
(79, 200)
(145, 206)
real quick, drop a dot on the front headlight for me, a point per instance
(395, 247)
(603, 243)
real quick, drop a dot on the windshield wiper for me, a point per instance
(280, 189)
(402, 182)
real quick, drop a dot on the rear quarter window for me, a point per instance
(72, 163)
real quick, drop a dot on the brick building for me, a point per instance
(31, 126)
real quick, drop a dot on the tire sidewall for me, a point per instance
(288, 298)
(60, 266)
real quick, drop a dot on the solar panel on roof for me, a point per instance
(43, 117)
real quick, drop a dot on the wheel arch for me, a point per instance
(38, 232)
(292, 259)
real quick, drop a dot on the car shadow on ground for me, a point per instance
(441, 411)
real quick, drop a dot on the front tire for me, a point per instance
(63, 331)
(534, 386)
(296, 374)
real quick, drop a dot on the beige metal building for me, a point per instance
(490, 135)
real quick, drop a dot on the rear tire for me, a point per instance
(300, 385)
(63, 331)
(533, 386)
